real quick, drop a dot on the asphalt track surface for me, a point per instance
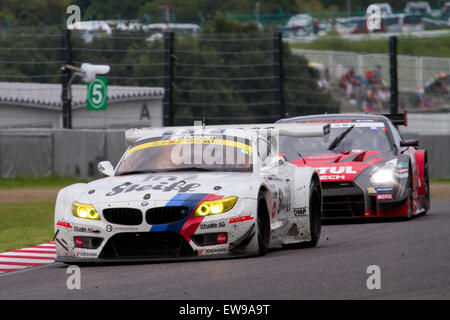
(413, 257)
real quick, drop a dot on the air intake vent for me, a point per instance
(163, 215)
(124, 216)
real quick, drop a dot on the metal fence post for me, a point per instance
(393, 73)
(279, 73)
(65, 79)
(169, 85)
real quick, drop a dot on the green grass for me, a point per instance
(38, 183)
(440, 181)
(435, 47)
(25, 224)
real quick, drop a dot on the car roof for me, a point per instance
(337, 116)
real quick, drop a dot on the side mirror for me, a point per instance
(275, 162)
(409, 143)
(278, 161)
(106, 168)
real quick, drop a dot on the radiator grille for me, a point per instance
(163, 215)
(123, 216)
(342, 200)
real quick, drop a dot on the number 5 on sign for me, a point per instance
(97, 94)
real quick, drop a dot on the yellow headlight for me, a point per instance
(84, 211)
(215, 206)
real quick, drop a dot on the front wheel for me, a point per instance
(315, 212)
(262, 225)
(315, 216)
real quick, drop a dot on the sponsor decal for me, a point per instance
(299, 211)
(326, 130)
(274, 209)
(371, 190)
(85, 229)
(332, 177)
(284, 200)
(329, 121)
(385, 196)
(189, 140)
(63, 224)
(240, 219)
(221, 238)
(212, 225)
(85, 254)
(215, 250)
(320, 157)
(383, 189)
(402, 165)
(163, 186)
(336, 170)
(109, 228)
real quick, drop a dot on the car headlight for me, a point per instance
(383, 175)
(215, 207)
(84, 211)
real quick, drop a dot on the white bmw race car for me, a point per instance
(193, 192)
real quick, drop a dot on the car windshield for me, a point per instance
(344, 137)
(187, 153)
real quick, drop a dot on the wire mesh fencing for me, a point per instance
(361, 82)
(219, 78)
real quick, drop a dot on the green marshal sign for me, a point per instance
(97, 94)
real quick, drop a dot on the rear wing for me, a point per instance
(282, 129)
(398, 119)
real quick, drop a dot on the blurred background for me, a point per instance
(173, 62)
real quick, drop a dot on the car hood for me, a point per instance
(333, 167)
(164, 186)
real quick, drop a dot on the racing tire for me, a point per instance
(262, 225)
(315, 217)
(410, 196)
(315, 213)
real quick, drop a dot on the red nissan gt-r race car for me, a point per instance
(365, 168)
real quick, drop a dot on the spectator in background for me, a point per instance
(348, 81)
(372, 102)
(385, 96)
(418, 99)
(377, 76)
(369, 76)
(316, 26)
